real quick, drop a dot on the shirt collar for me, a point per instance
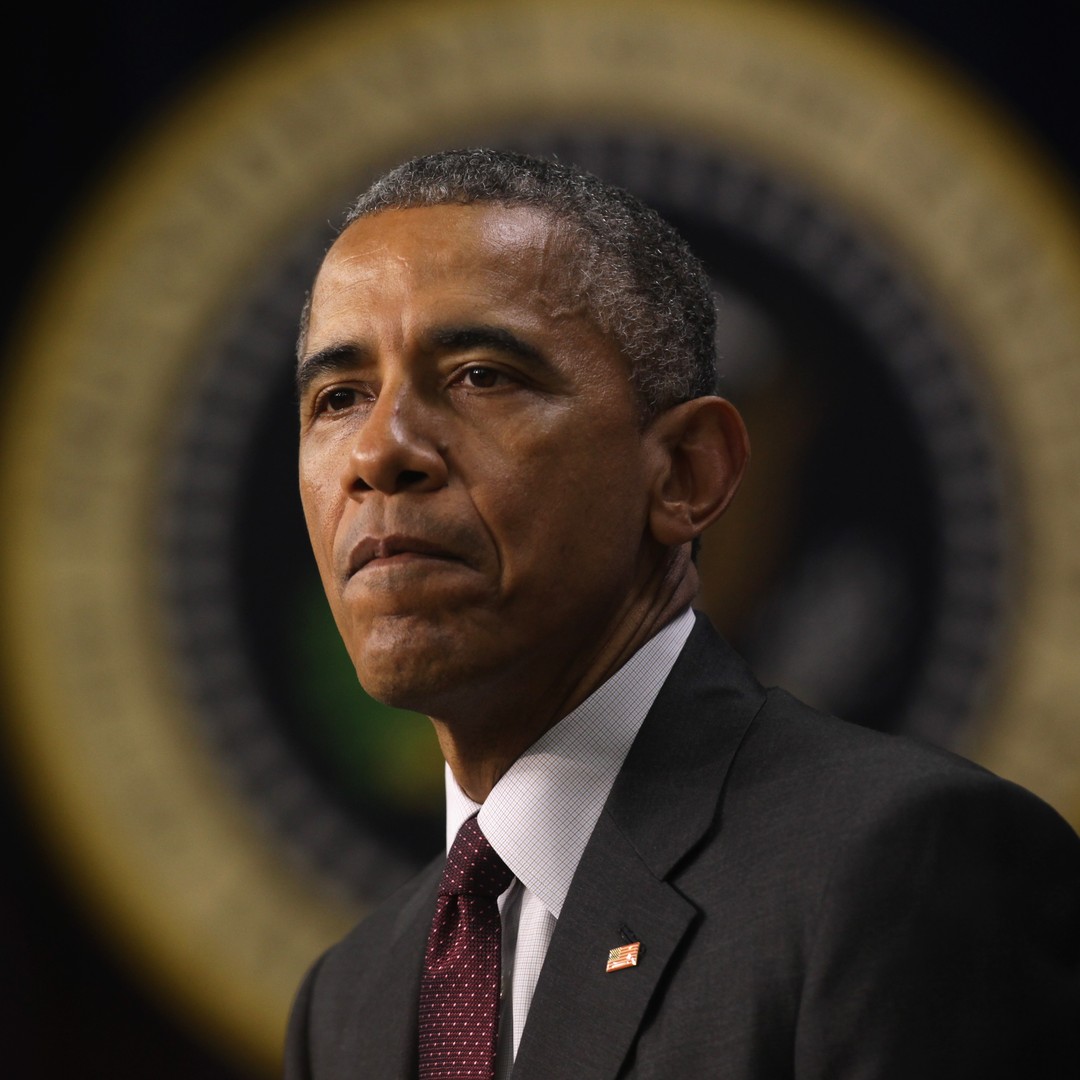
(541, 813)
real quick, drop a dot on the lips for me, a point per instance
(388, 550)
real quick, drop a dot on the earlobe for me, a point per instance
(703, 450)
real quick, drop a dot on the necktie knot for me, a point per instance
(473, 866)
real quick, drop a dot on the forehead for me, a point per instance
(502, 251)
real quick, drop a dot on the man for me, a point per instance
(510, 443)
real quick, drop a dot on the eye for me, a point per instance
(333, 399)
(479, 377)
(336, 399)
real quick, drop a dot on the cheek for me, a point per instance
(321, 498)
(572, 502)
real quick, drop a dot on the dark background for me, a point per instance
(82, 88)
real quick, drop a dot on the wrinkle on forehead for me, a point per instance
(546, 240)
(364, 264)
(560, 265)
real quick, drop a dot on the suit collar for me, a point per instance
(667, 793)
(541, 813)
(583, 1019)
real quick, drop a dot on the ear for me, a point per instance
(702, 453)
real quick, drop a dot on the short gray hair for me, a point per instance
(639, 279)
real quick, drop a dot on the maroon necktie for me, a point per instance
(459, 995)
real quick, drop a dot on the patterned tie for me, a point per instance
(459, 995)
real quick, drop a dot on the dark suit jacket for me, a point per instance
(813, 899)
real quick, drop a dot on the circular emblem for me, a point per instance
(896, 280)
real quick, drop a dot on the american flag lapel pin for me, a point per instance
(623, 957)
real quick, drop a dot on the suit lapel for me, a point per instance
(583, 1020)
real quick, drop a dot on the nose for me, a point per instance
(395, 448)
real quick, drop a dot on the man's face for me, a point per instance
(472, 467)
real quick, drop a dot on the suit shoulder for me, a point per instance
(826, 768)
(876, 830)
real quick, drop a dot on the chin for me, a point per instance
(428, 692)
(409, 674)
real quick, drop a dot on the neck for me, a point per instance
(480, 748)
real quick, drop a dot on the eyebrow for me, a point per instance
(482, 336)
(337, 359)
